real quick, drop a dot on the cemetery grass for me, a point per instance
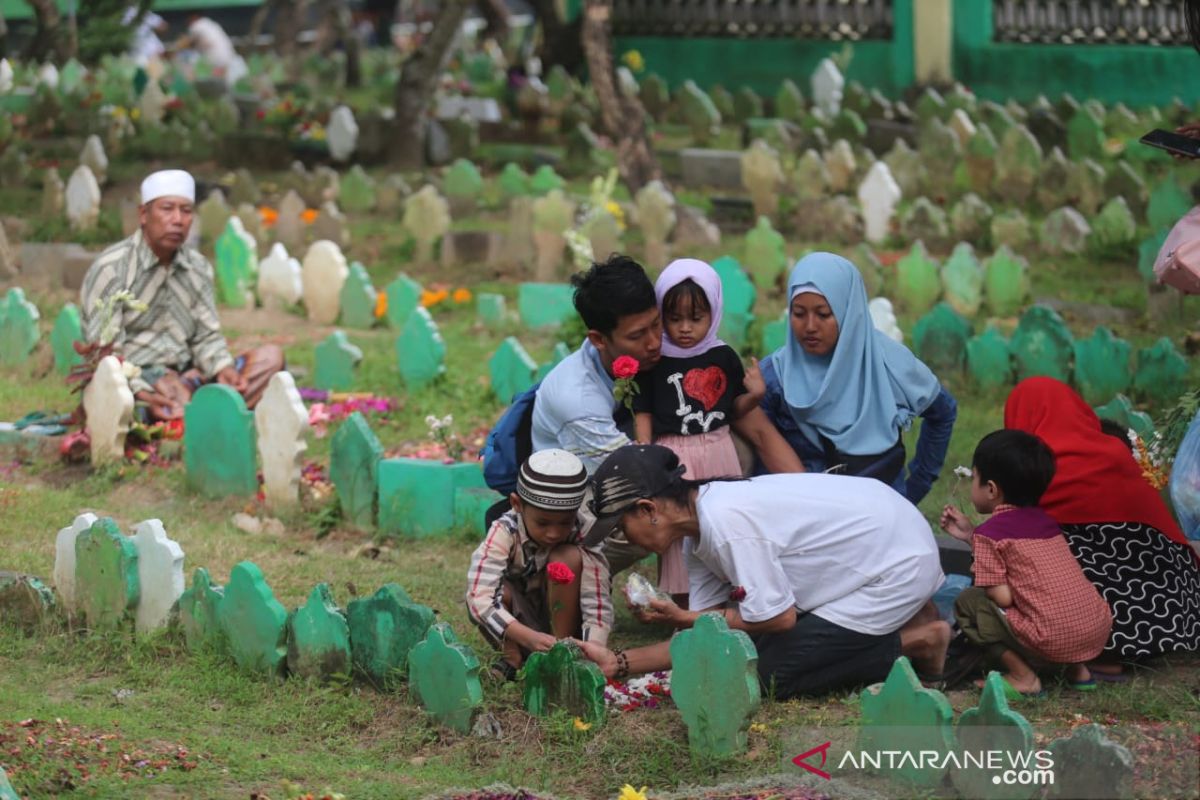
(244, 734)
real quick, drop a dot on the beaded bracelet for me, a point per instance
(622, 664)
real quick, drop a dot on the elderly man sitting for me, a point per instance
(171, 330)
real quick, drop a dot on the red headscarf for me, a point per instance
(1096, 478)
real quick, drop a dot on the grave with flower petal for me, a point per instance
(563, 678)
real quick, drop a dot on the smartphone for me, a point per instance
(1173, 143)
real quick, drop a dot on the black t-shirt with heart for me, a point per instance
(686, 396)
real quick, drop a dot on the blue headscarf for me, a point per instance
(861, 394)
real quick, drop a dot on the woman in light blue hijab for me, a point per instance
(841, 392)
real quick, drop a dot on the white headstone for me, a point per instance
(878, 195)
(289, 225)
(323, 273)
(160, 575)
(884, 318)
(282, 422)
(48, 76)
(279, 277)
(827, 86)
(108, 403)
(83, 198)
(6, 76)
(341, 134)
(64, 559)
(94, 156)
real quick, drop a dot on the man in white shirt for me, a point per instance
(145, 43)
(210, 41)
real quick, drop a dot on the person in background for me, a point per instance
(145, 44)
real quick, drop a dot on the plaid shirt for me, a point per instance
(178, 330)
(508, 551)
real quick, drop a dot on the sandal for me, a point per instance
(1084, 686)
(1015, 695)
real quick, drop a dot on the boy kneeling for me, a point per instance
(1032, 602)
(531, 580)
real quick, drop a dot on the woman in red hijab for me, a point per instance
(1118, 527)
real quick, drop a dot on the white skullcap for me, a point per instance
(169, 183)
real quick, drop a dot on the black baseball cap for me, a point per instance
(633, 472)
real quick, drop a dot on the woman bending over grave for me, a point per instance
(842, 393)
(831, 576)
(1117, 526)
(696, 390)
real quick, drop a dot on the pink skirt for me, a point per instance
(706, 455)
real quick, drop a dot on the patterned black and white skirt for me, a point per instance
(1151, 583)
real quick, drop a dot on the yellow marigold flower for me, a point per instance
(630, 793)
(380, 305)
(135, 113)
(580, 725)
(462, 295)
(633, 59)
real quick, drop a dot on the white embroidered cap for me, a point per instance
(169, 183)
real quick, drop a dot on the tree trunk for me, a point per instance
(343, 29)
(561, 42)
(495, 14)
(623, 117)
(48, 41)
(418, 79)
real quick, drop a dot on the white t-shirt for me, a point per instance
(212, 42)
(145, 43)
(850, 550)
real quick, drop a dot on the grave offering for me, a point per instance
(336, 360)
(289, 226)
(544, 305)
(512, 370)
(218, 443)
(918, 284)
(765, 254)
(253, 621)
(403, 297)
(1102, 366)
(841, 165)
(1114, 229)
(213, 215)
(357, 191)
(420, 350)
(970, 219)
(900, 714)
(341, 134)
(656, 217)
(1161, 371)
(108, 405)
(106, 576)
(989, 359)
(444, 677)
(562, 678)
(384, 628)
(64, 560)
(237, 264)
(95, 158)
(18, 327)
(553, 216)
(463, 185)
(25, 602)
(323, 273)
(160, 575)
(926, 222)
(762, 175)
(331, 225)
(992, 725)
(279, 281)
(878, 195)
(53, 194)
(358, 298)
(940, 339)
(282, 426)
(827, 86)
(1011, 229)
(1042, 345)
(1065, 232)
(417, 496)
(83, 199)
(318, 642)
(1088, 764)
(426, 218)
(715, 684)
(355, 453)
(962, 281)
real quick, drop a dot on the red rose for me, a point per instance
(738, 594)
(559, 572)
(625, 367)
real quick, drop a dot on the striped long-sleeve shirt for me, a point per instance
(178, 330)
(507, 548)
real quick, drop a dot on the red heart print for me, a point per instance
(706, 385)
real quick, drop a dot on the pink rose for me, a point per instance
(625, 367)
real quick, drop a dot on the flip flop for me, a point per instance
(1084, 686)
(1015, 695)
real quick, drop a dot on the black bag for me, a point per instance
(886, 466)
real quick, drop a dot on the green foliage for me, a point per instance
(104, 32)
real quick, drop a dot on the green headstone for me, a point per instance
(470, 509)
(513, 181)
(444, 678)
(940, 339)
(463, 180)
(1168, 202)
(1088, 764)
(962, 281)
(336, 359)
(417, 496)
(789, 101)
(106, 576)
(545, 180)
(384, 628)
(254, 623)
(930, 106)
(1161, 372)
(736, 287)
(236, 264)
(558, 83)
(358, 298)
(543, 305)
(18, 328)
(1006, 282)
(1121, 410)
(765, 254)
(918, 285)
(561, 677)
(900, 714)
(1114, 229)
(560, 352)
(420, 350)
(318, 644)
(512, 370)
(722, 101)
(992, 726)
(24, 600)
(981, 160)
(1042, 345)
(989, 359)
(1148, 254)
(1123, 181)
(775, 335)
(199, 612)
(7, 792)
(218, 443)
(354, 459)
(67, 330)
(1102, 366)
(403, 298)
(1085, 185)
(747, 104)
(714, 682)
(1051, 191)
(699, 113)
(655, 95)
(1018, 163)
(491, 309)
(356, 191)
(1085, 135)
(735, 329)
(848, 125)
